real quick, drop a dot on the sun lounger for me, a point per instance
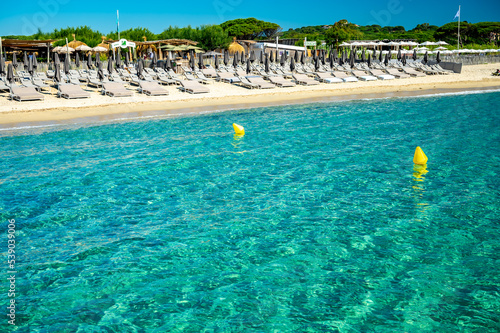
(164, 79)
(258, 80)
(146, 77)
(189, 76)
(134, 79)
(304, 80)
(202, 77)
(328, 78)
(150, 71)
(174, 76)
(71, 91)
(281, 82)
(363, 76)
(345, 77)
(26, 82)
(381, 75)
(38, 82)
(115, 89)
(94, 81)
(124, 74)
(247, 84)
(439, 68)
(209, 72)
(41, 76)
(227, 77)
(152, 88)
(193, 87)
(24, 93)
(413, 72)
(72, 79)
(160, 70)
(115, 77)
(4, 86)
(396, 73)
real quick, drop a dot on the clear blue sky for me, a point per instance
(23, 17)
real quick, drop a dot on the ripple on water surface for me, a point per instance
(315, 221)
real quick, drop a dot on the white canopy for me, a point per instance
(83, 48)
(280, 46)
(100, 49)
(66, 49)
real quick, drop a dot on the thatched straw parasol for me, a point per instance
(103, 44)
(76, 43)
(235, 47)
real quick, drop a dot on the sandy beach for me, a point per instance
(225, 96)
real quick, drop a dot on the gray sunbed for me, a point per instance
(345, 77)
(193, 87)
(152, 88)
(258, 80)
(395, 72)
(247, 84)
(24, 93)
(328, 78)
(115, 89)
(363, 76)
(304, 80)
(71, 91)
(280, 81)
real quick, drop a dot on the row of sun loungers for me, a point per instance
(150, 81)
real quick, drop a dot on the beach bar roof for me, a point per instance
(280, 46)
(163, 41)
(26, 45)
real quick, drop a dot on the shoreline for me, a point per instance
(224, 97)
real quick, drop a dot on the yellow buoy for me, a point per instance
(238, 129)
(419, 157)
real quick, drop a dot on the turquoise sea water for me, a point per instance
(315, 221)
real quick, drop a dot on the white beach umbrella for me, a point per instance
(442, 43)
(345, 44)
(56, 49)
(446, 52)
(84, 48)
(409, 43)
(65, 49)
(441, 48)
(428, 43)
(100, 49)
(382, 43)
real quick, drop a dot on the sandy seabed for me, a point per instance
(224, 96)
